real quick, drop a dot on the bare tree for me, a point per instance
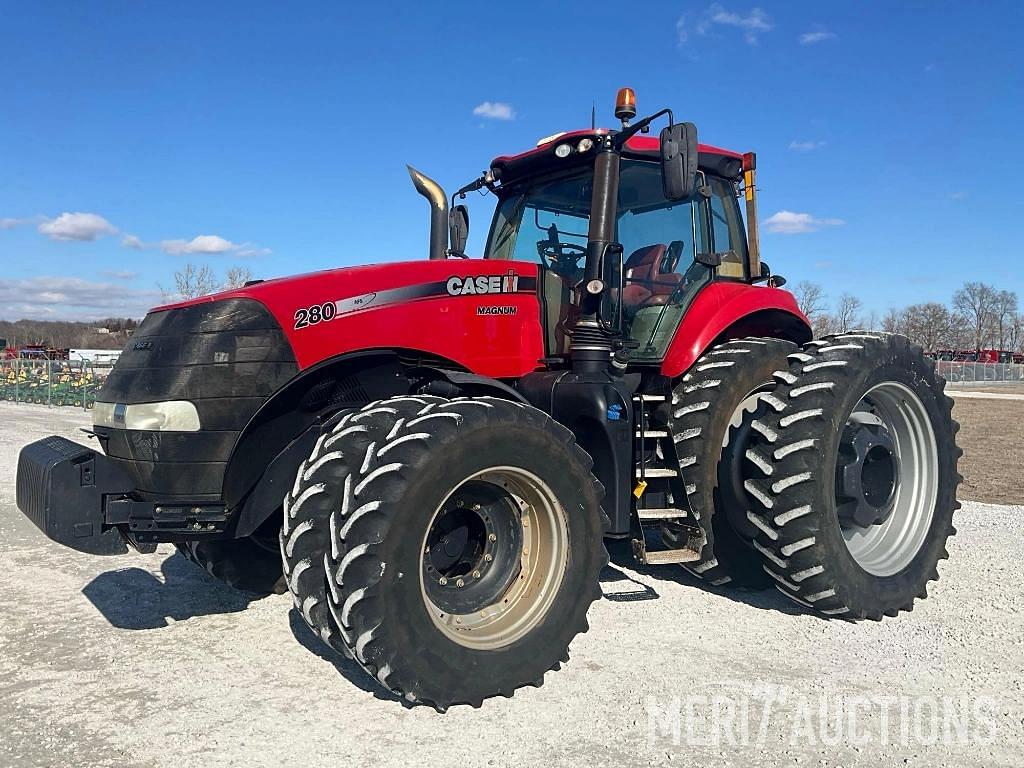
(894, 321)
(961, 335)
(1004, 310)
(976, 303)
(1015, 334)
(810, 297)
(191, 281)
(236, 277)
(823, 324)
(847, 312)
(930, 325)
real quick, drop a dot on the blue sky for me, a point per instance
(888, 134)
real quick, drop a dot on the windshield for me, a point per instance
(546, 222)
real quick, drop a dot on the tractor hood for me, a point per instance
(480, 314)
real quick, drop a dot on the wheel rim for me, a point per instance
(898, 490)
(504, 535)
(734, 468)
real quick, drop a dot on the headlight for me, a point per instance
(168, 416)
(584, 145)
(562, 150)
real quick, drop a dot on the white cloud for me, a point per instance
(806, 146)
(495, 110)
(12, 223)
(77, 226)
(753, 23)
(790, 223)
(202, 244)
(120, 274)
(811, 38)
(71, 298)
(245, 250)
(681, 34)
(198, 244)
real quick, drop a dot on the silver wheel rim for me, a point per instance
(748, 405)
(542, 565)
(887, 548)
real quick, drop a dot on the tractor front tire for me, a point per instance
(248, 564)
(465, 548)
(709, 406)
(859, 480)
(305, 533)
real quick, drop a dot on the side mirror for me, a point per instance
(458, 229)
(679, 161)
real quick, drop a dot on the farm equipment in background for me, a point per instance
(58, 382)
(428, 455)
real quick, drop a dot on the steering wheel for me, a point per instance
(563, 257)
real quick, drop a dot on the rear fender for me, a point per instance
(726, 310)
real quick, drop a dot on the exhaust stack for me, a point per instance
(431, 190)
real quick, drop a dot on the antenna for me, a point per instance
(593, 115)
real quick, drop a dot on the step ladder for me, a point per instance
(666, 531)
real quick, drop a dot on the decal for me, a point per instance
(356, 302)
(318, 313)
(470, 285)
(483, 284)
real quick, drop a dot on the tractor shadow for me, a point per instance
(347, 668)
(619, 586)
(133, 598)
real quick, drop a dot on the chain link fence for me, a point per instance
(49, 382)
(981, 374)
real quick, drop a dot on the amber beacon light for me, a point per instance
(625, 105)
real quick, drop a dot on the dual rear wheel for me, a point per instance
(838, 467)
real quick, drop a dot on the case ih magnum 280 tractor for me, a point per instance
(429, 454)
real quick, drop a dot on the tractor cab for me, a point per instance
(628, 260)
(670, 249)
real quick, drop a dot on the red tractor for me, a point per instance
(429, 455)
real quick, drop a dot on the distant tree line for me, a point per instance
(978, 317)
(191, 281)
(111, 333)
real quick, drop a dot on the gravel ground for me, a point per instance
(145, 661)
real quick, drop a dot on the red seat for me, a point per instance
(649, 279)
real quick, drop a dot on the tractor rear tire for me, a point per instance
(305, 533)
(857, 500)
(706, 415)
(248, 564)
(465, 548)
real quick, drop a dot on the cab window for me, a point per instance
(729, 237)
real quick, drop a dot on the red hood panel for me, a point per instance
(482, 315)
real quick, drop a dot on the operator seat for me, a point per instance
(649, 277)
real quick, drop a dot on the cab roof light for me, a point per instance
(625, 105)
